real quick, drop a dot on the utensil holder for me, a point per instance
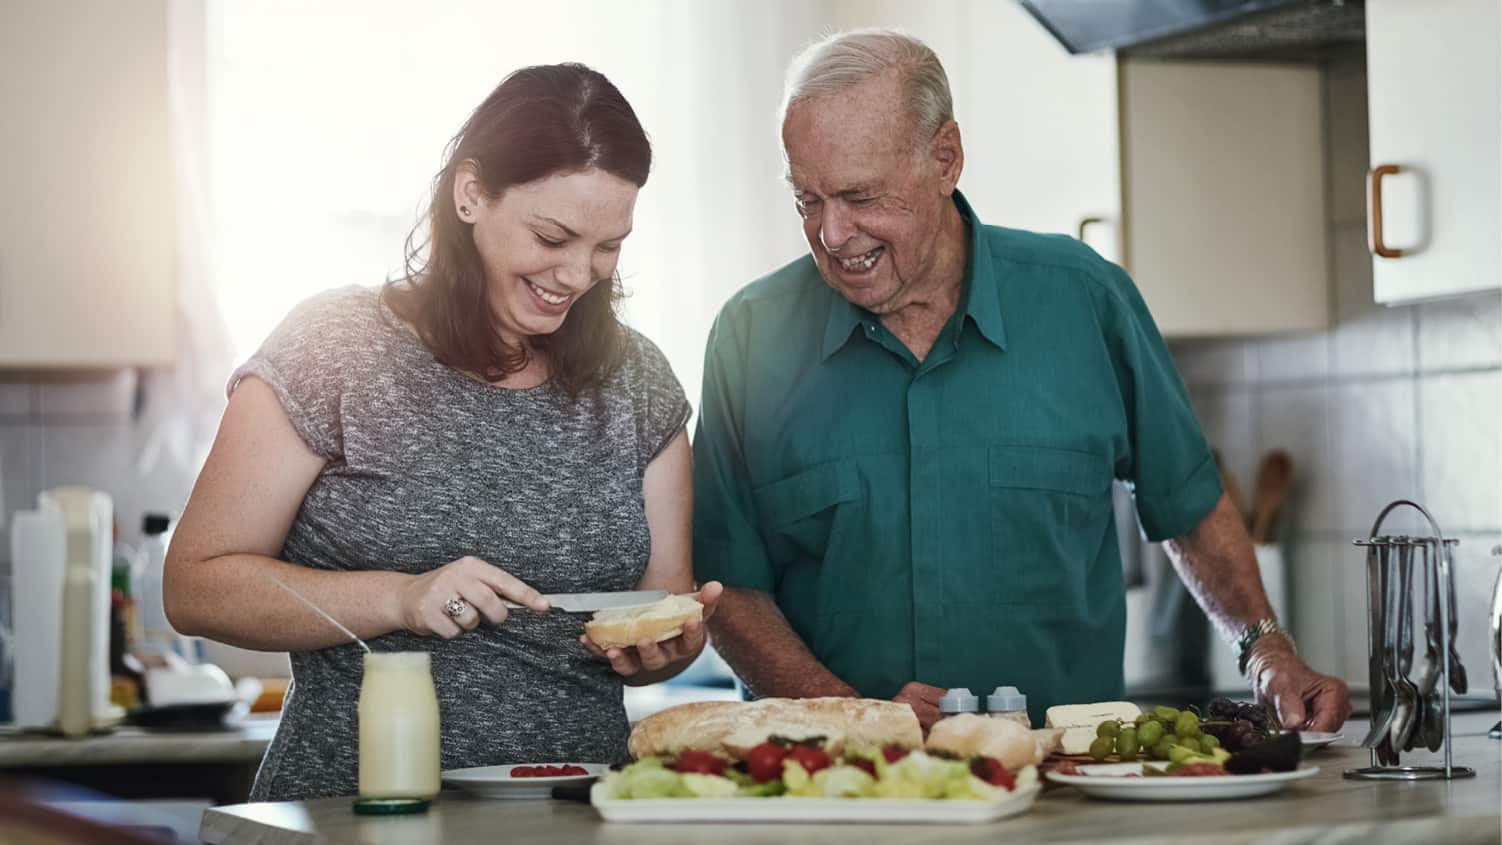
(1441, 574)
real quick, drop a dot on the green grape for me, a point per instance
(1108, 729)
(1102, 747)
(1180, 752)
(1149, 734)
(1187, 725)
(1126, 743)
(1209, 743)
(1166, 713)
(1161, 748)
(1143, 719)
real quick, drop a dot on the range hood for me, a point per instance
(1231, 29)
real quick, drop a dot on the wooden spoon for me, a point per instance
(1274, 480)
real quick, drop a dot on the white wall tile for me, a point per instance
(1369, 339)
(1460, 416)
(1348, 132)
(1294, 419)
(20, 476)
(1376, 453)
(1229, 419)
(1316, 601)
(1354, 619)
(104, 456)
(16, 396)
(1203, 362)
(1462, 332)
(1293, 357)
(93, 394)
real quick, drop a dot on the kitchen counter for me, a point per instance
(1324, 809)
(246, 742)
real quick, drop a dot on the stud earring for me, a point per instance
(464, 211)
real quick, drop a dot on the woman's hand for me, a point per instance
(647, 661)
(425, 601)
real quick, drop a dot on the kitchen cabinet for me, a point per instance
(88, 239)
(1434, 88)
(1205, 180)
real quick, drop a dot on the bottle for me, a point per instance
(398, 713)
(957, 701)
(157, 634)
(1008, 703)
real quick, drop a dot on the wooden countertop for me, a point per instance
(1325, 809)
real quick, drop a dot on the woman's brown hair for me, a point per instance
(540, 121)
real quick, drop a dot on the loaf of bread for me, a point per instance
(969, 735)
(626, 626)
(732, 728)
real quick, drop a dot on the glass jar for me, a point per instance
(958, 700)
(1008, 703)
(398, 726)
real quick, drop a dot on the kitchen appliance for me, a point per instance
(1407, 715)
(60, 561)
(1240, 29)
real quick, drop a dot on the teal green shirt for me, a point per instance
(949, 521)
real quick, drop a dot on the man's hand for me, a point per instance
(924, 700)
(1302, 698)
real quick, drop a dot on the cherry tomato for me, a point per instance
(990, 770)
(864, 765)
(701, 762)
(812, 759)
(764, 762)
(893, 753)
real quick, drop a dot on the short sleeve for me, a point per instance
(1170, 466)
(728, 547)
(307, 362)
(663, 407)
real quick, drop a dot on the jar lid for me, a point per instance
(390, 806)
(959, 700)
(1005, 698)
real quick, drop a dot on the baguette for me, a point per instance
(730, 729)
(626, 626)
(968, 735)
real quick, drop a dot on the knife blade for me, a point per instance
(590, 602)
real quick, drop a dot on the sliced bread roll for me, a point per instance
(732, 728)
(626, 626)
(968, 735)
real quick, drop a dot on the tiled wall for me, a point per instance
(1389, 403)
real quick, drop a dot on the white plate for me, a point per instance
(805, 810)
(497, 782)
(1318, 739)
(1108, 781)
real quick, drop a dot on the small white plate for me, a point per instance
(1109, 781)
(813, 810)
(1318, 739)
(497, 782)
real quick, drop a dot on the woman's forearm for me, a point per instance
(235, 599)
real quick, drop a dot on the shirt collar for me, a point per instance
(982, 304)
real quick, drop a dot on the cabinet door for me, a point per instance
(1039, 127)
(1434, 77)
(88, 241)
(1223, 184)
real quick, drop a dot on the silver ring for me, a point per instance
(455, 607)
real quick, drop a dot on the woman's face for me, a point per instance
(544, 244)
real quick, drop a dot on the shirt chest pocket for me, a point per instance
(803, 513)
(1050, 512)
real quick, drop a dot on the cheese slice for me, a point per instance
(1089, 715)
(1076, 740)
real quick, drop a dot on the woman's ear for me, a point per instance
(468, 191)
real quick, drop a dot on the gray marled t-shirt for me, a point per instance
(426, 465)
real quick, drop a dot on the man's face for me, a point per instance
(871, 207)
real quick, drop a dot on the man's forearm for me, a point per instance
(771, 659)
(1216, 562)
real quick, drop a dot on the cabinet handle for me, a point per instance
(1374, 210)
(1086, 221)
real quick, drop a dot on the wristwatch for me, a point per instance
(1258, 630)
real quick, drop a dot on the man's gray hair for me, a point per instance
(842, 60)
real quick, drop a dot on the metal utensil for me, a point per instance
(1457, 671)
(1400, 644)
(1376, 612)
(1431, 730)
(590, 602)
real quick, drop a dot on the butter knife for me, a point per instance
(590, 602)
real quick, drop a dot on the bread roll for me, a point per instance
(732, 728)
(969, 735)
(626, 626)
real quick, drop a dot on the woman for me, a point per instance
(482, 429)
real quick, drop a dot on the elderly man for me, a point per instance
(905, 452)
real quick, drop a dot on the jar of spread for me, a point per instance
(1008, 703)
(957, 701)
(398, 713)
